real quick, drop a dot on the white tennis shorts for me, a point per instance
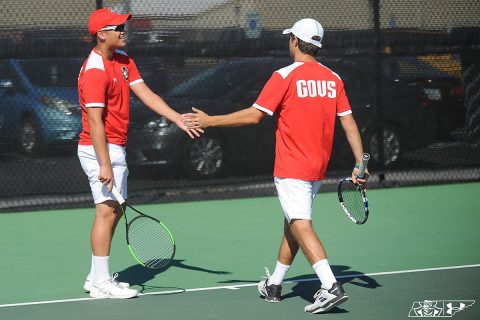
(91, 167)
(296, 197)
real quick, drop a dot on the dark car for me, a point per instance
(408, 119)
(223, 88)
(441, 91)
(39, 103)
(420, 104)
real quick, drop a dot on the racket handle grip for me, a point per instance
(117, 195)
(363, 165)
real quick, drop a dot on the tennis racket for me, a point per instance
(149, 240)
(353, 197)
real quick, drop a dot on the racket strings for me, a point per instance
(353, 201)
(150, 242)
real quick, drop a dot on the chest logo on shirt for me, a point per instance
(316, 88)
(125, 73)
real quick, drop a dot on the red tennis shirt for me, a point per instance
(307, 96)
(106, 84)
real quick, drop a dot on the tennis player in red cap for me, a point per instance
(104, 84)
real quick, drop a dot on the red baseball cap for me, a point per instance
(105, 17)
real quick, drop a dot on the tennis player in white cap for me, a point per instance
(307, 97)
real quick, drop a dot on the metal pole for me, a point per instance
(378, 85)
(99, 5)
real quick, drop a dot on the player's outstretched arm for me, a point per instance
(158, 105)
(200, 120)
(355, 141)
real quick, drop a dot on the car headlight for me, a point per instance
(157, 123)
(59, 104)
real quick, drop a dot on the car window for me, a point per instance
(196, 85)
(153, 71)
(57, 73)
(410, 67)
(218, 81)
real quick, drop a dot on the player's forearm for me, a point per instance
(154, 101)
(355, 142)
(159, 106)
(245, 117)
(353, 136)
(99, 141)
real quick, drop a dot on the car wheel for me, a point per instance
(30, 140)
(392, 146)
(203, 158)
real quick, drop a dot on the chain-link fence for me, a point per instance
(410, 68)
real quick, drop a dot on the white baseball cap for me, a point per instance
(306, 29)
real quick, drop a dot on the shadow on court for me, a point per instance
(138, 275)
(306, 286)
(306, 289)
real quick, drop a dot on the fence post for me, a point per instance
(99, 5)
(378, 91)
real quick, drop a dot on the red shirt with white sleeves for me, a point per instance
(106, 84)
(307, 96)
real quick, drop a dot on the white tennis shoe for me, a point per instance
(89, 282)
(110, 289)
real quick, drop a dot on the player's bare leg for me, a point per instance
(102, 284)
(289, 246)
(271, 288)
(331, 293)
(307, 239)
(106, 219)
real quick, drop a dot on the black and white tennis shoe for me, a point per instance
(327, 299)
(272, 292)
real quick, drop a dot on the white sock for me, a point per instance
(92, 270)
(101, 269)
(277, 277)
(324, 273)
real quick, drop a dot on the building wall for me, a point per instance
(429, 14)
(16, 14)
(346, 14)
(274, 14)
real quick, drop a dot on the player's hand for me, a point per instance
(356, 179)
(192, 132)
(106, 176)
(197, 119)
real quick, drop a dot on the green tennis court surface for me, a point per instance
(403, 254)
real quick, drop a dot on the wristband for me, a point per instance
(357, 166)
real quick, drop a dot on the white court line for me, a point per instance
(236, 287)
